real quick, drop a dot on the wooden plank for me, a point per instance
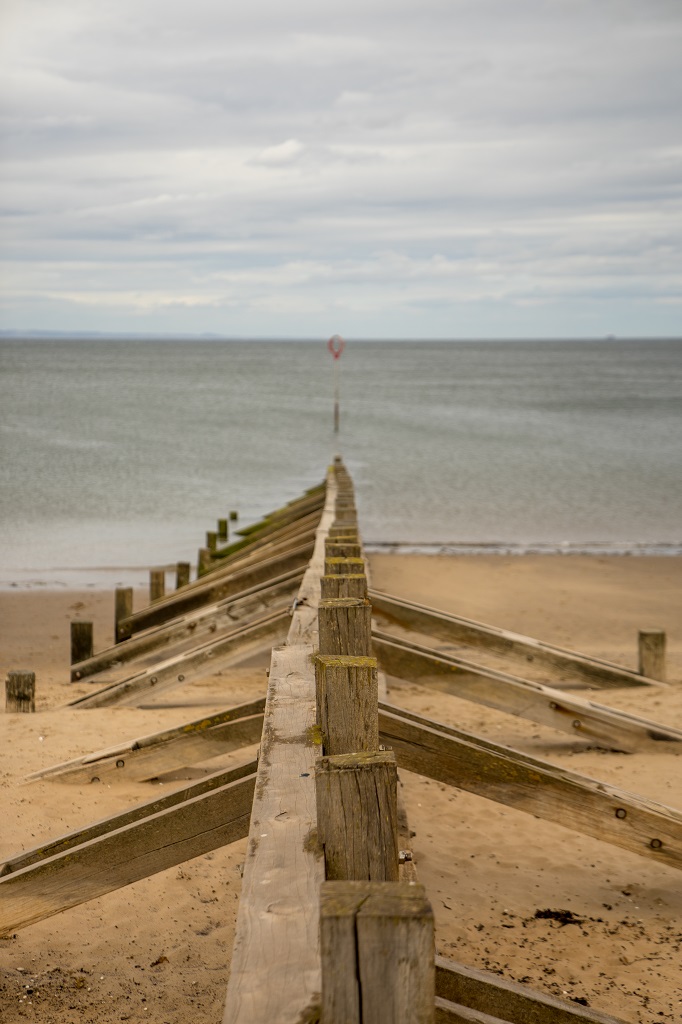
(127, 817)
(277, 936)
(513, 1003)
(577, 669)
(584, 719)
(229, 648)
(149, 756)
(277, 924)
(453, 1013)
(125, 855)
(211, 590)
(260, 598)
(530, 784)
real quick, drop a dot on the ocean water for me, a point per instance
(117, 455)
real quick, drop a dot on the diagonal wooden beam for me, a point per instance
(530, 784)
(190, 627)
(584, 719)
(149, 756)
(227, 649)
(141, 811)
(576, 669)
(508, 1001)
(117, 858)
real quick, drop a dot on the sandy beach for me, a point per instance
(159, 949)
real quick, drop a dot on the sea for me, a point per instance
(118, 454)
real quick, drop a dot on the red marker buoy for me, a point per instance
(336, 345)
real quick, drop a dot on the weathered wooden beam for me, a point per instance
(125, 855)
(312, 500)
(453, 1013)
(203, 622)
(584, 719)
(357, 815)
(482, 992)
(211, 590)
(20, 691)
(346, 696)
(345, 626)
(150, 756)
(576, 669)
(530, 784)
(377, 943)
(651, 649)
(343, 549)
(144, 810)
(334, 587)
(182, 574)
(208, 657)
(157, 584)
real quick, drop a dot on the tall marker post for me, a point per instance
(336, 345)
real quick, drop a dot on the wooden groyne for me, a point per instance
(333, 924)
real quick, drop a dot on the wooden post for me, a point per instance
(211, 540)
(344, 566)
(332, 587)
(157, 584)
(203, 562)
(182, 572)
(345, 626)
(20, 691)
(347, 694)
(123, 608)
(652, 653)
(81, 641)
(342, 530)
(357, 815)
(222, 529)
(234, 515)
(377, 951)
(346, 549)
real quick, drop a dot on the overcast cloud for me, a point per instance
(440, 168)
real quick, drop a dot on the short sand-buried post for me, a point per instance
(203, 561)
(157, 584)
(357, 815)
(123, 608)
(377, 951)
(81, 641)
(182, 573)
(651, 644)
(347, 694)
(20, 691)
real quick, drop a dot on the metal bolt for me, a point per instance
(120, 763)
(153, 680)
(621, 812)
(656, 844)
(94, 779)
(553, 705)
(181, 678)
(577, 723)
(404, 855)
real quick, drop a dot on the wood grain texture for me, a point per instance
(334, 587)
(584, 719)
(530, 784)
(453, 1013)
(576, 669)
(20, 692)
(347, 694)
(514, 1003)
(651, 652)
(357, 815)
(345, 627)
(344, 567)
(377, 953)
(125, 855)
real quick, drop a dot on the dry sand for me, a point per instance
(159, 950)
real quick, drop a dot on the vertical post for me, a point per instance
(336, 396)
(652, 653)
(81, 641)
(182, 571)
(347, 694)
(332, 587)
(234, 515)
(211, 540)
(204, 562)
(345, 626)
(222, 529)
(123, 602)
(362, 842)
(20, 691)
(157, 584)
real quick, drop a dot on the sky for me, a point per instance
(376, 168)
